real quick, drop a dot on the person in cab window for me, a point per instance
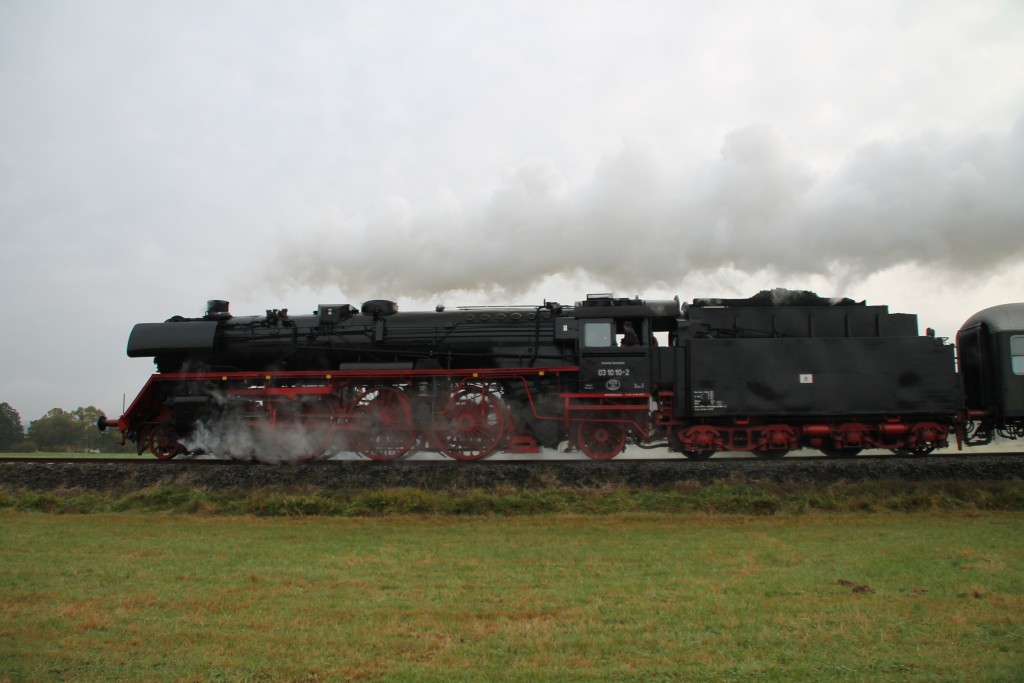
(629, 336)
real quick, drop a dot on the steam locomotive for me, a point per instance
(768, 375)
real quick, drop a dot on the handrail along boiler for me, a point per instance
(771, 374)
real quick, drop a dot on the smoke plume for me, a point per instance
(642, 220)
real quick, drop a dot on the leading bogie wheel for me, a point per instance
(163, 442)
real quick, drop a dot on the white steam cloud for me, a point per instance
(235, 440)
(641, 221)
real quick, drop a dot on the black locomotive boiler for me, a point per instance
(771, 374)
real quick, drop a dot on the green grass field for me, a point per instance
(816, 597)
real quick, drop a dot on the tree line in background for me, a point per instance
(59, 431)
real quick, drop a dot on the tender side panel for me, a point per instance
(808, 377)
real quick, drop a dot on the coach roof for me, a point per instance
(1003, 318)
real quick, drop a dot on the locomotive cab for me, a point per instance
(612, 358)
(617, 343)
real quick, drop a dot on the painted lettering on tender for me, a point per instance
(704, 401)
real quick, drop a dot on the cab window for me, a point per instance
(1017, 354)
(597, 334)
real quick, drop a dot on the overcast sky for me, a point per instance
(157, 154)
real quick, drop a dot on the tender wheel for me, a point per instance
(384, 424)
(699, 442)
(472, 425)
(163, 442)
(600, 440)
(841, 452)
(775, 441)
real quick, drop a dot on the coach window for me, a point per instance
(1017, 354)
(597, 334)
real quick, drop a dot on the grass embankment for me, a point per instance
(761, 498)
(820, 597)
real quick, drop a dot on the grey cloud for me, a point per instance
(951, 202)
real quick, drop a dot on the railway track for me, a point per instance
(499, 461)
